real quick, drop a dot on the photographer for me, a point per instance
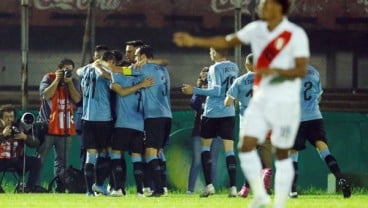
(12, 139)
(58, 92)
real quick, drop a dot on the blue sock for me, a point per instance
(91, 158)
(324, 153)
(294, 157)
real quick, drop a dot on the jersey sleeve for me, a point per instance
(245, 35)
(301, 44)
(214, 89)
(45, 82)
(319, 84)
(233, 91)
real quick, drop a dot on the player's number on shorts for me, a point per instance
(228, 82)
(307, 86)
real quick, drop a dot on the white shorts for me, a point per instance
(282, 117)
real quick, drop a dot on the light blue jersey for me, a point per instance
(242, 90)
(128, 108)
(96, 96)
(156, 99)
(221, 76)
(310, 94)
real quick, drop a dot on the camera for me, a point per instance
(14, 131)
(67, 73)
(27, 118)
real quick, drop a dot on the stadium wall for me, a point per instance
(347, 136)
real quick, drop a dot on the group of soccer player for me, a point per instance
(286, 92)
(125, 110)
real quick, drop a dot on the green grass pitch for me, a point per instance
(179, 200)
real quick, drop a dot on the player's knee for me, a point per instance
(249, 144)
(321, 145)
(282, 154)
(150, 152)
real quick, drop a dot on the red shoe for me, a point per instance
(267, 179)
(244, 192)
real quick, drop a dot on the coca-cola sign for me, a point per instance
(220, 6)
(77, 4)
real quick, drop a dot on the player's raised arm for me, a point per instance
(183, 39)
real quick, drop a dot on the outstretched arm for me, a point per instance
(183, 39)
(124, 91)
(299, 71)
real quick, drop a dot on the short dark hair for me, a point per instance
(99, 50)
(135, 43)
(224, 52)
(146, 50)
(118, 55)
(6, 108)
(285, 4)
(108, 56)
(64, 62)
(249, 58)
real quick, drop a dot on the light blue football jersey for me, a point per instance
(310, 93)
(156, 99)
(128, 108)
(96, 96)
(242, 89)
(221, 76)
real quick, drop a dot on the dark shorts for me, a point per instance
(97, 134)
(213, 127)
(157, 132)
(130, 140)
(311, 131)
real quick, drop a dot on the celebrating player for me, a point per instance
(217, 120)
(281, 54)
(312, 129)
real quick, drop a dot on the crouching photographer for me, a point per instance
(14, 136)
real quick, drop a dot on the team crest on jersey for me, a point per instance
(279, 43)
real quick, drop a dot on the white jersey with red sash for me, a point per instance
(61, 117)
(276, 49)
(275, 105)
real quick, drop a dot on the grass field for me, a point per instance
(173, 200)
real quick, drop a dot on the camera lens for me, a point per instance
(67, 73)
(28, 118)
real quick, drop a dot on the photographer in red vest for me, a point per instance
(13, 137)
(59, 92)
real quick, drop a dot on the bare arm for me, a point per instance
(299, 71)
(124, 91)
(73, 92)
(228, 101)
(186, 40)
(50, 90)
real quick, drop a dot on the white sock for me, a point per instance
(283, 180)
(252, 167)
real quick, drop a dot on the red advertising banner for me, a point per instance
(330, 14)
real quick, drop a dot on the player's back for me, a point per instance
(156, 99)
(129, 108)
(242, 89)
(310, 94)
(96, 96)
(220, 75)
